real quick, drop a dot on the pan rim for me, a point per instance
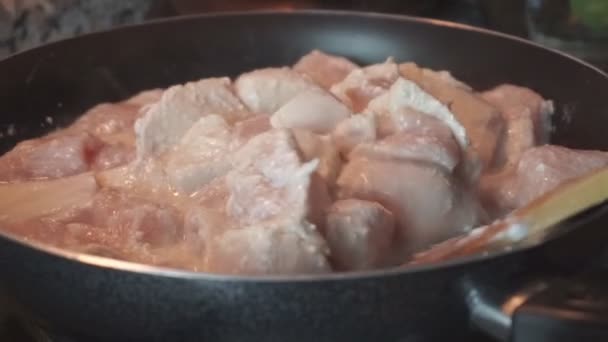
(149, 270)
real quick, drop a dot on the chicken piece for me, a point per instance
(264, 91)
(166, 121)
(314, 110)
(514, 102)
(413, 145)
(283, 247)
(359, 234)
(112, 121)
(114, 155)
(107, 119)
(140, 220)
(357, 129)
(539, 170)
(325, 69)
(364, 84)
(268, 197)
(50, 157)
(406, 99)
(249, 128)
(427, 204)
(202, 154)
(527, 120)
(483, 122)
(268, 179)
(313, 146)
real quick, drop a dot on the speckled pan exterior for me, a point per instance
(100, 300)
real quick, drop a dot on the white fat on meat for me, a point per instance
(264, 91)
(364, 84)
(413, 145)
(357, 129)
(482, 121)
(269, 200)
(527, 120)
(324, 69)
(202, 155)
(180, 106)
(539, 170)
(428, 205)
(359, 234)
(314, 110)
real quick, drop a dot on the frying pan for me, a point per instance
(532, 294)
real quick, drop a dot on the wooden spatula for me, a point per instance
(528, 225)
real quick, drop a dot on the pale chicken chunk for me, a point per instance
(482, 121)
(112, 121)
(539, 170)
(202, 154)
(313, 146)
(364, 84)
(54, 156)
(167, 120)
(249, 128)
(264, 91)
(325, 69)
(357, 129)
(427, 204)
(526, 115)
(268, 198)
(359, 234)
(413, 145)
(313, 110)
(268, 179)
(283, 247)
(109, 224)
(404, 99)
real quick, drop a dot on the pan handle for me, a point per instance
(542, 310)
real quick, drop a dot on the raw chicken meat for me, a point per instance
(107, 120)
(167, 120)
(481, 120)
(201, 155)
(264, 91)
(313, 110)
(326, 70)
(427, 204)
(323, 166)
(539, 170)
(357, 129)
(249, 128)
(526, 115)
(313, 146)
(269, 190)
(54, 156)
(363, 84)
(413, 145)
(268, 248)
(359, 234)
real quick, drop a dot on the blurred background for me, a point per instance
(579, 27)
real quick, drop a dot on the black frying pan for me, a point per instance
(517, 295)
